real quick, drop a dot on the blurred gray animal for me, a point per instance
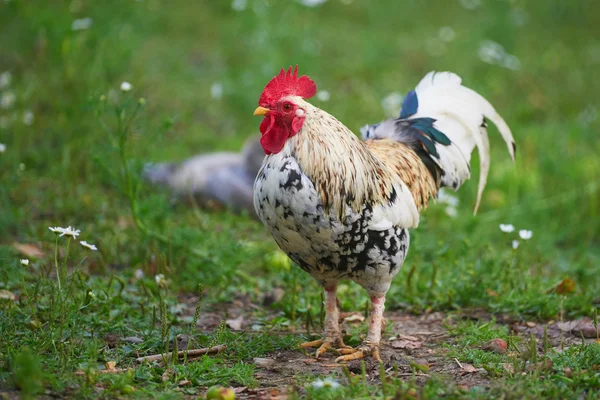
(212, 180)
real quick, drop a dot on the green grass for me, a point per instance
(68, 168)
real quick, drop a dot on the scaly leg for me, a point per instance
(333, 335)
(370, 347)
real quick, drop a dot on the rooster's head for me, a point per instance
(283, 116)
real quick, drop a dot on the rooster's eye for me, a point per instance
(287, 107)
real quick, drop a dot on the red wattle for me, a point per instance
(274, 135)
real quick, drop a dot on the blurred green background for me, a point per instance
(201, 66)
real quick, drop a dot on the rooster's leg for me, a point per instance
(333, 335)
(370, 347)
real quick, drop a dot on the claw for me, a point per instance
(359, 353)
(326, 344)
(314, 343)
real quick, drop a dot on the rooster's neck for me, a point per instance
(343, 170)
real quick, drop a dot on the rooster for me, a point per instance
(340, 207)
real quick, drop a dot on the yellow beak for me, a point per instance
(261, 111)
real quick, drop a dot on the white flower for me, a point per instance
(126, 86)
(24, 261)
(7, 100)
(5, 79)
(515, 244)
(216, 90)
(56, 229)
(69, 231)
(81, 24)
(325, 383)
(2, 147)
(88, 245)
(312, 3)
(239, 5)
(91, 294)
(323, 95)
(160, 280)
(446, 198)
(451, 212)
(446, 33)
(28, 117)
(525, 234)
(507, 228)
(139, 274)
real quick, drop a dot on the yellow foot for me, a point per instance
(360, 352)
(326, 344)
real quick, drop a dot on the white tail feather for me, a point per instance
(459, 113)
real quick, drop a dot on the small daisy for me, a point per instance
(525, 234)
(126, 86)
(88, 245)
(160, 280)
(515, 244)
(57, 229)
(69, 231)
(323, 95)
(2, 147)
(507, 228)
(24, 262)
(325, 383)
(216, 90)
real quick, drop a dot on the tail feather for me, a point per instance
(459, 113)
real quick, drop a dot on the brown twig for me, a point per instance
(181, 354)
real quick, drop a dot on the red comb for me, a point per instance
(286, 84)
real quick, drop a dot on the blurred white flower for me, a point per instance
(446, 198)
(493, 53)
(160, 280)
(325, 383)
(28, 117)
(126, 86)
(24, 261)
(7, 100)
(216, 90)
(88, 245)
(323, 95)
(239, 5)
(451, 212)
(56, 229)
(525, 234)
(2, 147)
(519, 16)
(446, 33)
(470, 4)
(139, 274)
(81, 24)
(91, 294)
(5, 79)
(392, 103)
(69, 231)
(312, 3)
(507, 228)
(515, 244)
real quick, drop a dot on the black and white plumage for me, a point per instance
(340, 207)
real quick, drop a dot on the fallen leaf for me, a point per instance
(530, 324)
(468, 369)
(236, 324)
(406, 344)
(29, 250)
(565, 286)
(240, 389)
(495, 345)
(408, 337)
(184, 382)
(420, 364)
(110, 366)
(355, 317)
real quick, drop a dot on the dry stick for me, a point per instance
(458, 362)
(180, 354)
